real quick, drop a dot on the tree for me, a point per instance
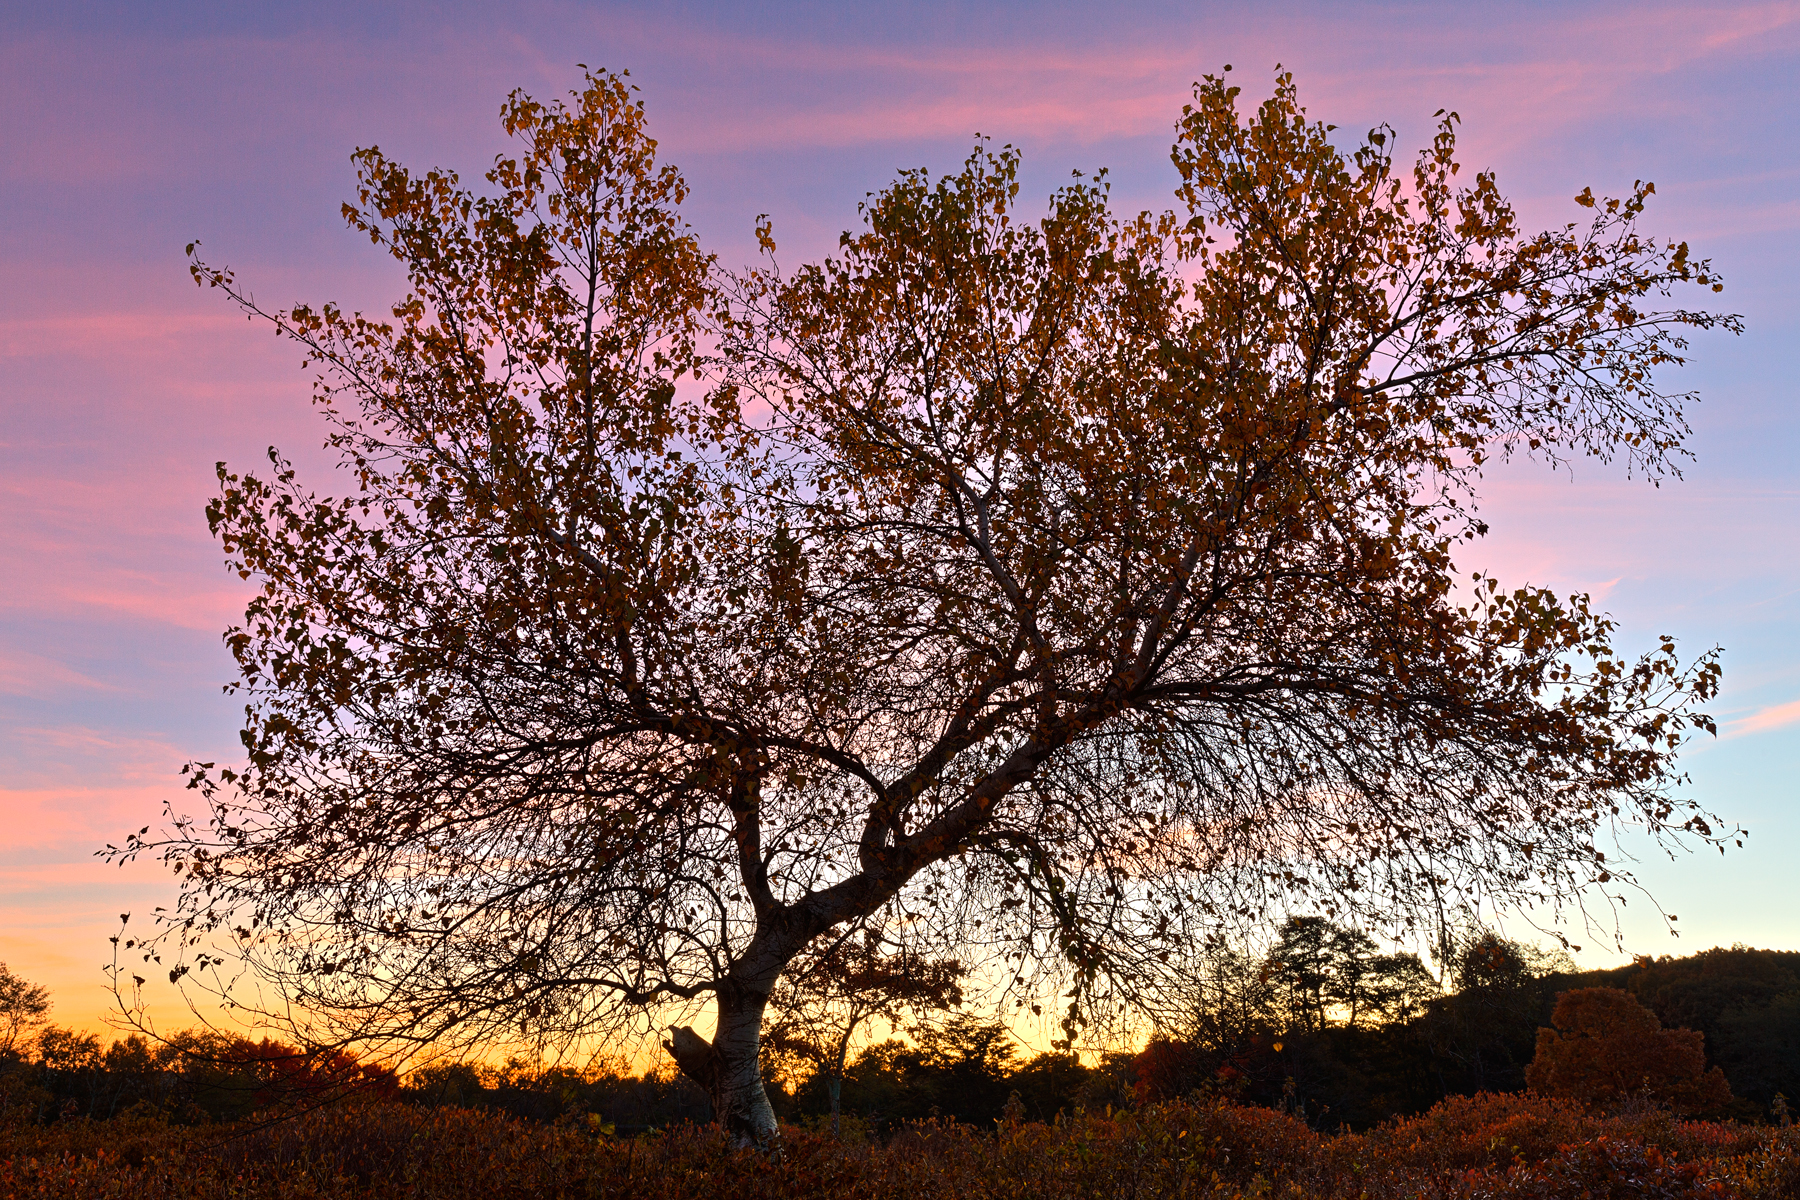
(1234, 1001)
(1049, 1084)
(1326, 972)
(24, 1009)
(824, 998)
(1398, 987)
(1322, 1023)
(1301, 966)
(969, 1063)
(1057, 591)
(962, 1067)
(1607, 1048)
(1485, 1031)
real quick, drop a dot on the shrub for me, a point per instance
(1477, 1148)
(1608, 1049)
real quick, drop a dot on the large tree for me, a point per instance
(1040, 590)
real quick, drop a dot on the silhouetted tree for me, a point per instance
(1301, 964)
(1057, 589)
(1484, 1033)
(1049, 1084)
(961, 1069)
(24, 1010)
(824, 999)
(1327, 973)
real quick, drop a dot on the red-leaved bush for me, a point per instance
(285, 1073)
(1607, 1049)
(1466, 1149)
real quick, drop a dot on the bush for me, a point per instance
(1476, 1148)
(1608, 1050)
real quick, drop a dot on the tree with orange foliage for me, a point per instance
(1607, 1048)
(1054, 588)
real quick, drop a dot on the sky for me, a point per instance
(129, 130)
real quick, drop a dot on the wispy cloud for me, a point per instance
(94, 334)
(1542, 76)
(1775, 716)
(23, 673)
(110, 548)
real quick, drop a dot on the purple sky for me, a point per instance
(132, 129)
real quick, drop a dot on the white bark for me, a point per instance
(730, 1069)
(740, 1104)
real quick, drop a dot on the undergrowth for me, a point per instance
(1464, 1149)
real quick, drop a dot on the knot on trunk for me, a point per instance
(733, 1107)
(698, 1058)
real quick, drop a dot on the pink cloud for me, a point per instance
(1605, 532)
(1773, 717)
(114, 417)
(81, 818)
(71, 788)
(113, 547)
(97, 334)
(1742, 24)
(23, 673)
(1086, 93)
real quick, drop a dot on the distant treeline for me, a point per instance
(1287, 1031)
(1330, 1030)
(207, 1078)
(1322, 1027)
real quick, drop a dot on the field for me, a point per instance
(1466, 1148)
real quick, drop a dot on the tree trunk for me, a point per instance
(740, 1103)
(730, 1069)
(834, 1082)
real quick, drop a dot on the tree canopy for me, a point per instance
(24, 1009)
(1041, 590)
